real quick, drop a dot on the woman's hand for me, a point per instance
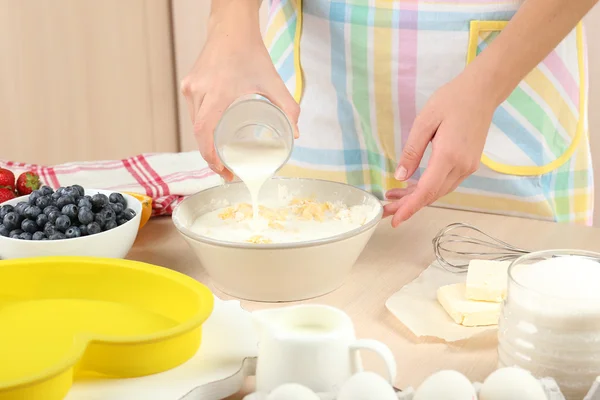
(233, 63)
(456, 120)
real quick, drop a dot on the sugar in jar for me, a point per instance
(550, 322)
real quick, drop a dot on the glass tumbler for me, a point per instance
(556, 334)
(254, 119)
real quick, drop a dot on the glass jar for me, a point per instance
(550, 321)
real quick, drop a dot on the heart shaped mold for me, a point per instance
(66, 317)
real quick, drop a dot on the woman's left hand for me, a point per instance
(456, 120)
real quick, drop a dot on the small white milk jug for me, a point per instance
(313, 345)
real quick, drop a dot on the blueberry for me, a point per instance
(29, 226)
(34, 196)
(109, 213)
(80, 189)
(25, 236)
(63, 223)
(11, 221)
(112, 224)
(100, 218)
(15, 236)
(15, 232)
(71, 211)
(83, 229)
(56, 195)
(60, 190)
(57, 236)
(3, 231)
(49, 209)
(117, 208)
(94, 228)
(32, 212)
(117, 198)
(64, 200)
(41, 220)
(99, 200)
(38, 236)
(71, 191)
(43, 202)
(50, 229)
(20, 207)
(84, 202)
(73, 232)
(121, 221)
(85, 215)
(46, 191)
(53, 216)
(5, 209)
(128, 214)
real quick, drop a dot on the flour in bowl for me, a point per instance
(299, 220)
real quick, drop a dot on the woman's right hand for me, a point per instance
(233, 63)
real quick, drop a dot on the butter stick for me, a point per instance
(467, 312)
(487, 280)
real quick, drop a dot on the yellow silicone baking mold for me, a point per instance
(62, 318)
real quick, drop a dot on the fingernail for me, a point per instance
(215, 167)
(400, 173)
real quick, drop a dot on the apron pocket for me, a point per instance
(538, 127)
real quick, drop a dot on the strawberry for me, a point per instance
(7, 179)
(27, 182)
(6, 194)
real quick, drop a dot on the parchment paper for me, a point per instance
(416, 306)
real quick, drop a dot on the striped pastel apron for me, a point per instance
(363, 69)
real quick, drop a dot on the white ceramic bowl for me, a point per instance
(114, 243)
(278, 272)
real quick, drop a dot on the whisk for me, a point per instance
(485, 246)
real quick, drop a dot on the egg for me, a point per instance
(366, 386)
(446, 385)
(511, 383)
(292, 391)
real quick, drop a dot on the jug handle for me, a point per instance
(378, 348)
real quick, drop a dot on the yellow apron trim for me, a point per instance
(491, 26)
(297, 67)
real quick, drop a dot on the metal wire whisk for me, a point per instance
(485, 247)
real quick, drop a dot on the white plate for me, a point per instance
(226, 357)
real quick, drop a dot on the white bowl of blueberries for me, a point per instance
(69, 221)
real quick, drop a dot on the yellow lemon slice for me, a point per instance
(146, 207)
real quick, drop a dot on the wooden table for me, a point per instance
(393, 258)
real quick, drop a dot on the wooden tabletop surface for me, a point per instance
(393, 258)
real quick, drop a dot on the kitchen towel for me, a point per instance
(166, 177)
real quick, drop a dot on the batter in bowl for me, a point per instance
(297, 221)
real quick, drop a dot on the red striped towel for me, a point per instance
(166, 177)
